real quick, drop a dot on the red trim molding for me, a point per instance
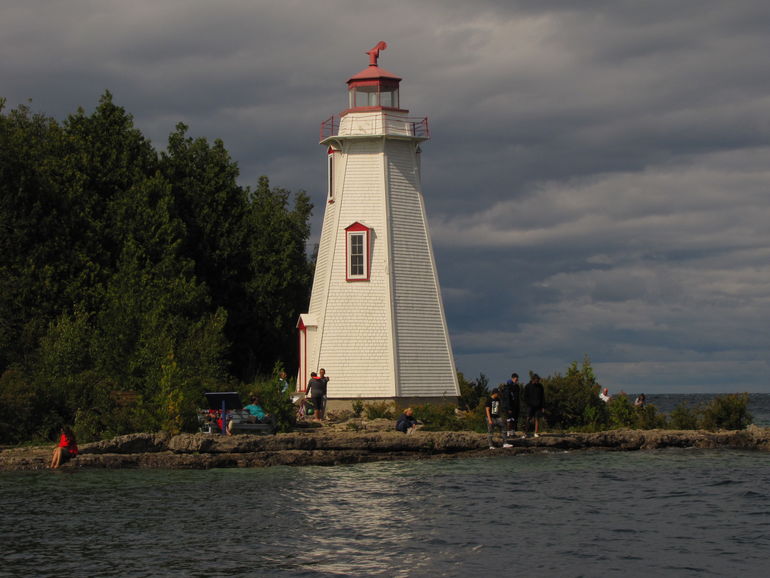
(354, 230)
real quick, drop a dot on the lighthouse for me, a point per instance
(376, 321)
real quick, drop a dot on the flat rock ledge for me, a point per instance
(328, 446)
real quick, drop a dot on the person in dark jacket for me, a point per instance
(406, 422)
(317, 391)
(534, 397)
(510, 400)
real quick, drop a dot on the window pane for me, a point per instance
(357, 255)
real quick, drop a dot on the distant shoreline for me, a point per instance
(328, 447)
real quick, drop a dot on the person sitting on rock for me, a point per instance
(256, 411)
(406, 422)
(67, 448)
(256, 414)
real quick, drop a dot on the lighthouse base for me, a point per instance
(400, 403)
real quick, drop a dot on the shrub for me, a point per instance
(379, 409)
(438, 417)
(17, 406)
(726, 412)
(358, 408)
(594, 418)
(647, 417)
(276, 402)
(622, 411)
(471, 392)
(571, 401)
(683, 417)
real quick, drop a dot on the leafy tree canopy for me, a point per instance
(123, 269)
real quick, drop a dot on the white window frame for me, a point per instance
(330, 175)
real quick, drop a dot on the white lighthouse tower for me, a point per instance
(376, 321)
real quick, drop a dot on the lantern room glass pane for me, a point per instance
(365, 96)
(389, 98)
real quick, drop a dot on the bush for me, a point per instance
(647, 417)
(471, 392)
(358, 408)
(622, 411)
(17, 406)
(438, 417)
(276, 402)
(572, 402)
(683, 417)
(726, 412)
(379, 409)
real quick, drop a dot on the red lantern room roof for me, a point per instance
(374, 72)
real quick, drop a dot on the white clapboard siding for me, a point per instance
(385, 337)
(425, 366)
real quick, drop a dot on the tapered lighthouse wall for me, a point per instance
(354, 343)
(424, 367)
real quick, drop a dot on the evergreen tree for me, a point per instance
(124, 270)
(281, 276)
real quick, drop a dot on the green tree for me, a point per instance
(35, 248)
(125, 270)
(279, 289)
(727, 412)
(571, 400)
(248, 248)
(472, 392)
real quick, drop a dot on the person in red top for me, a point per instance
(67, 448)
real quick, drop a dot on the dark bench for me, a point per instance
(240, 423)
(252, 427)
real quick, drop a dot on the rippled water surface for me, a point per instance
(672, 513)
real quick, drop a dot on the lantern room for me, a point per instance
(373, 88)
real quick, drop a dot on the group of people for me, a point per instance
(605, 396)
(257, 414)
(503, 408)
(316, 391)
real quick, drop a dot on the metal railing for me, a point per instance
(377, 123)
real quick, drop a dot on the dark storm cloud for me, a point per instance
(597, 180)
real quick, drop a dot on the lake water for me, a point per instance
(664, 512)
(759, 403)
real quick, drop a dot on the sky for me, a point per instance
(597, 182)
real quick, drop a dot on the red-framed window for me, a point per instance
(357, 250)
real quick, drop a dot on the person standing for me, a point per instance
(511, 403)
(495, 419)
(534, 396)
(318, 385)
(283, 383)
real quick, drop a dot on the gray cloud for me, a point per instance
(597, 180)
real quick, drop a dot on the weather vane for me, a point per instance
(374, 53)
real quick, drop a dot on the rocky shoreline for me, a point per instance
(329, 446)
